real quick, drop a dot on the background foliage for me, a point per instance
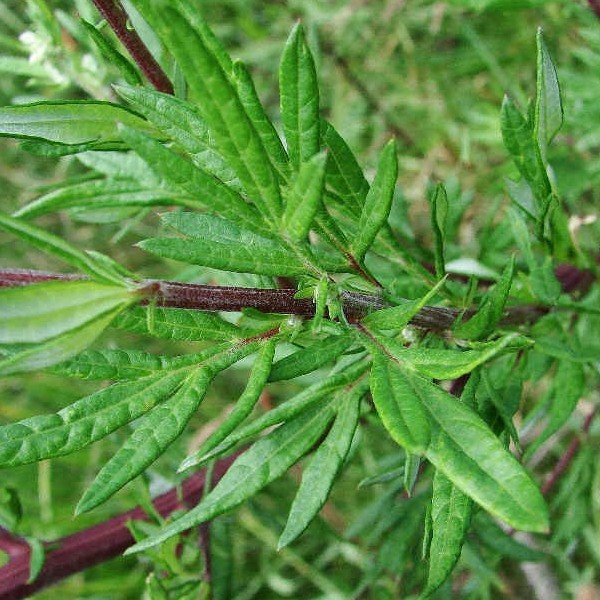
(433, 75)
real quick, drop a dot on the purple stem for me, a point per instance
(94, 545)
(221, 298)
(118, 20)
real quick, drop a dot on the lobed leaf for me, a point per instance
(261, 122)
(299, 97)
(491, 308)
(520, 141)
(400, 410)
(156, 431)
(321, 472)
(99, 194)
(256, 382)
(120, 364)
(568, 387)
(344, 175)
(214, 242)
(544, 283)
(378, 202)
(439, 215)
(311, 358)
(450, 519)
(236, 137)
(84, 421)
(201, 189)
(398, 317)
(119, 165)
(110, 53)
(548, 115)
(178, 324)
(181, 122)
(304, 198)
(265, 461)
(289, 409)
(464, 449)
(439, 363)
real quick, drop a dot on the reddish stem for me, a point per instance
(221, 298)
(118, 20)
(96, 544)
(567, 458)
(595, 6)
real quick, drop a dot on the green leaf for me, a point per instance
(394, 474)
(548, 114)
(131, 364)
(156, 431)
(99, 194)
(519, 139)
(57, 349)
(197, 21)
(289, 409)
(521, 234)
(48, 149)
(505, 397)
(378, 202)
(243, 407)
(320, 299)
(344, 175)
(412, 463)
(264, 462)
(544, 283)
(11, 510)
(72, 122)
(221, 559)
(441, 363)
(37, 557)
(520, 193)
(450, 518)
(38, 312)
(84, 421)
(52, 244)
(110, 53)
(304, 198)
(311, 358)
(400, 410)
(568, 387)
(119, 165)
(398, 317)
(464, 449)
(202, 189)
(439, 215)
(178, 324)
(558, 348)
(19, 66)
(299, 96)
(320, 474)
(116, 364)
(182, 123)
(236, 137)
(261, 122)
(491, 309)
(505, 545)
(214, 242)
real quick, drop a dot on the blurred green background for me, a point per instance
(430, 73)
